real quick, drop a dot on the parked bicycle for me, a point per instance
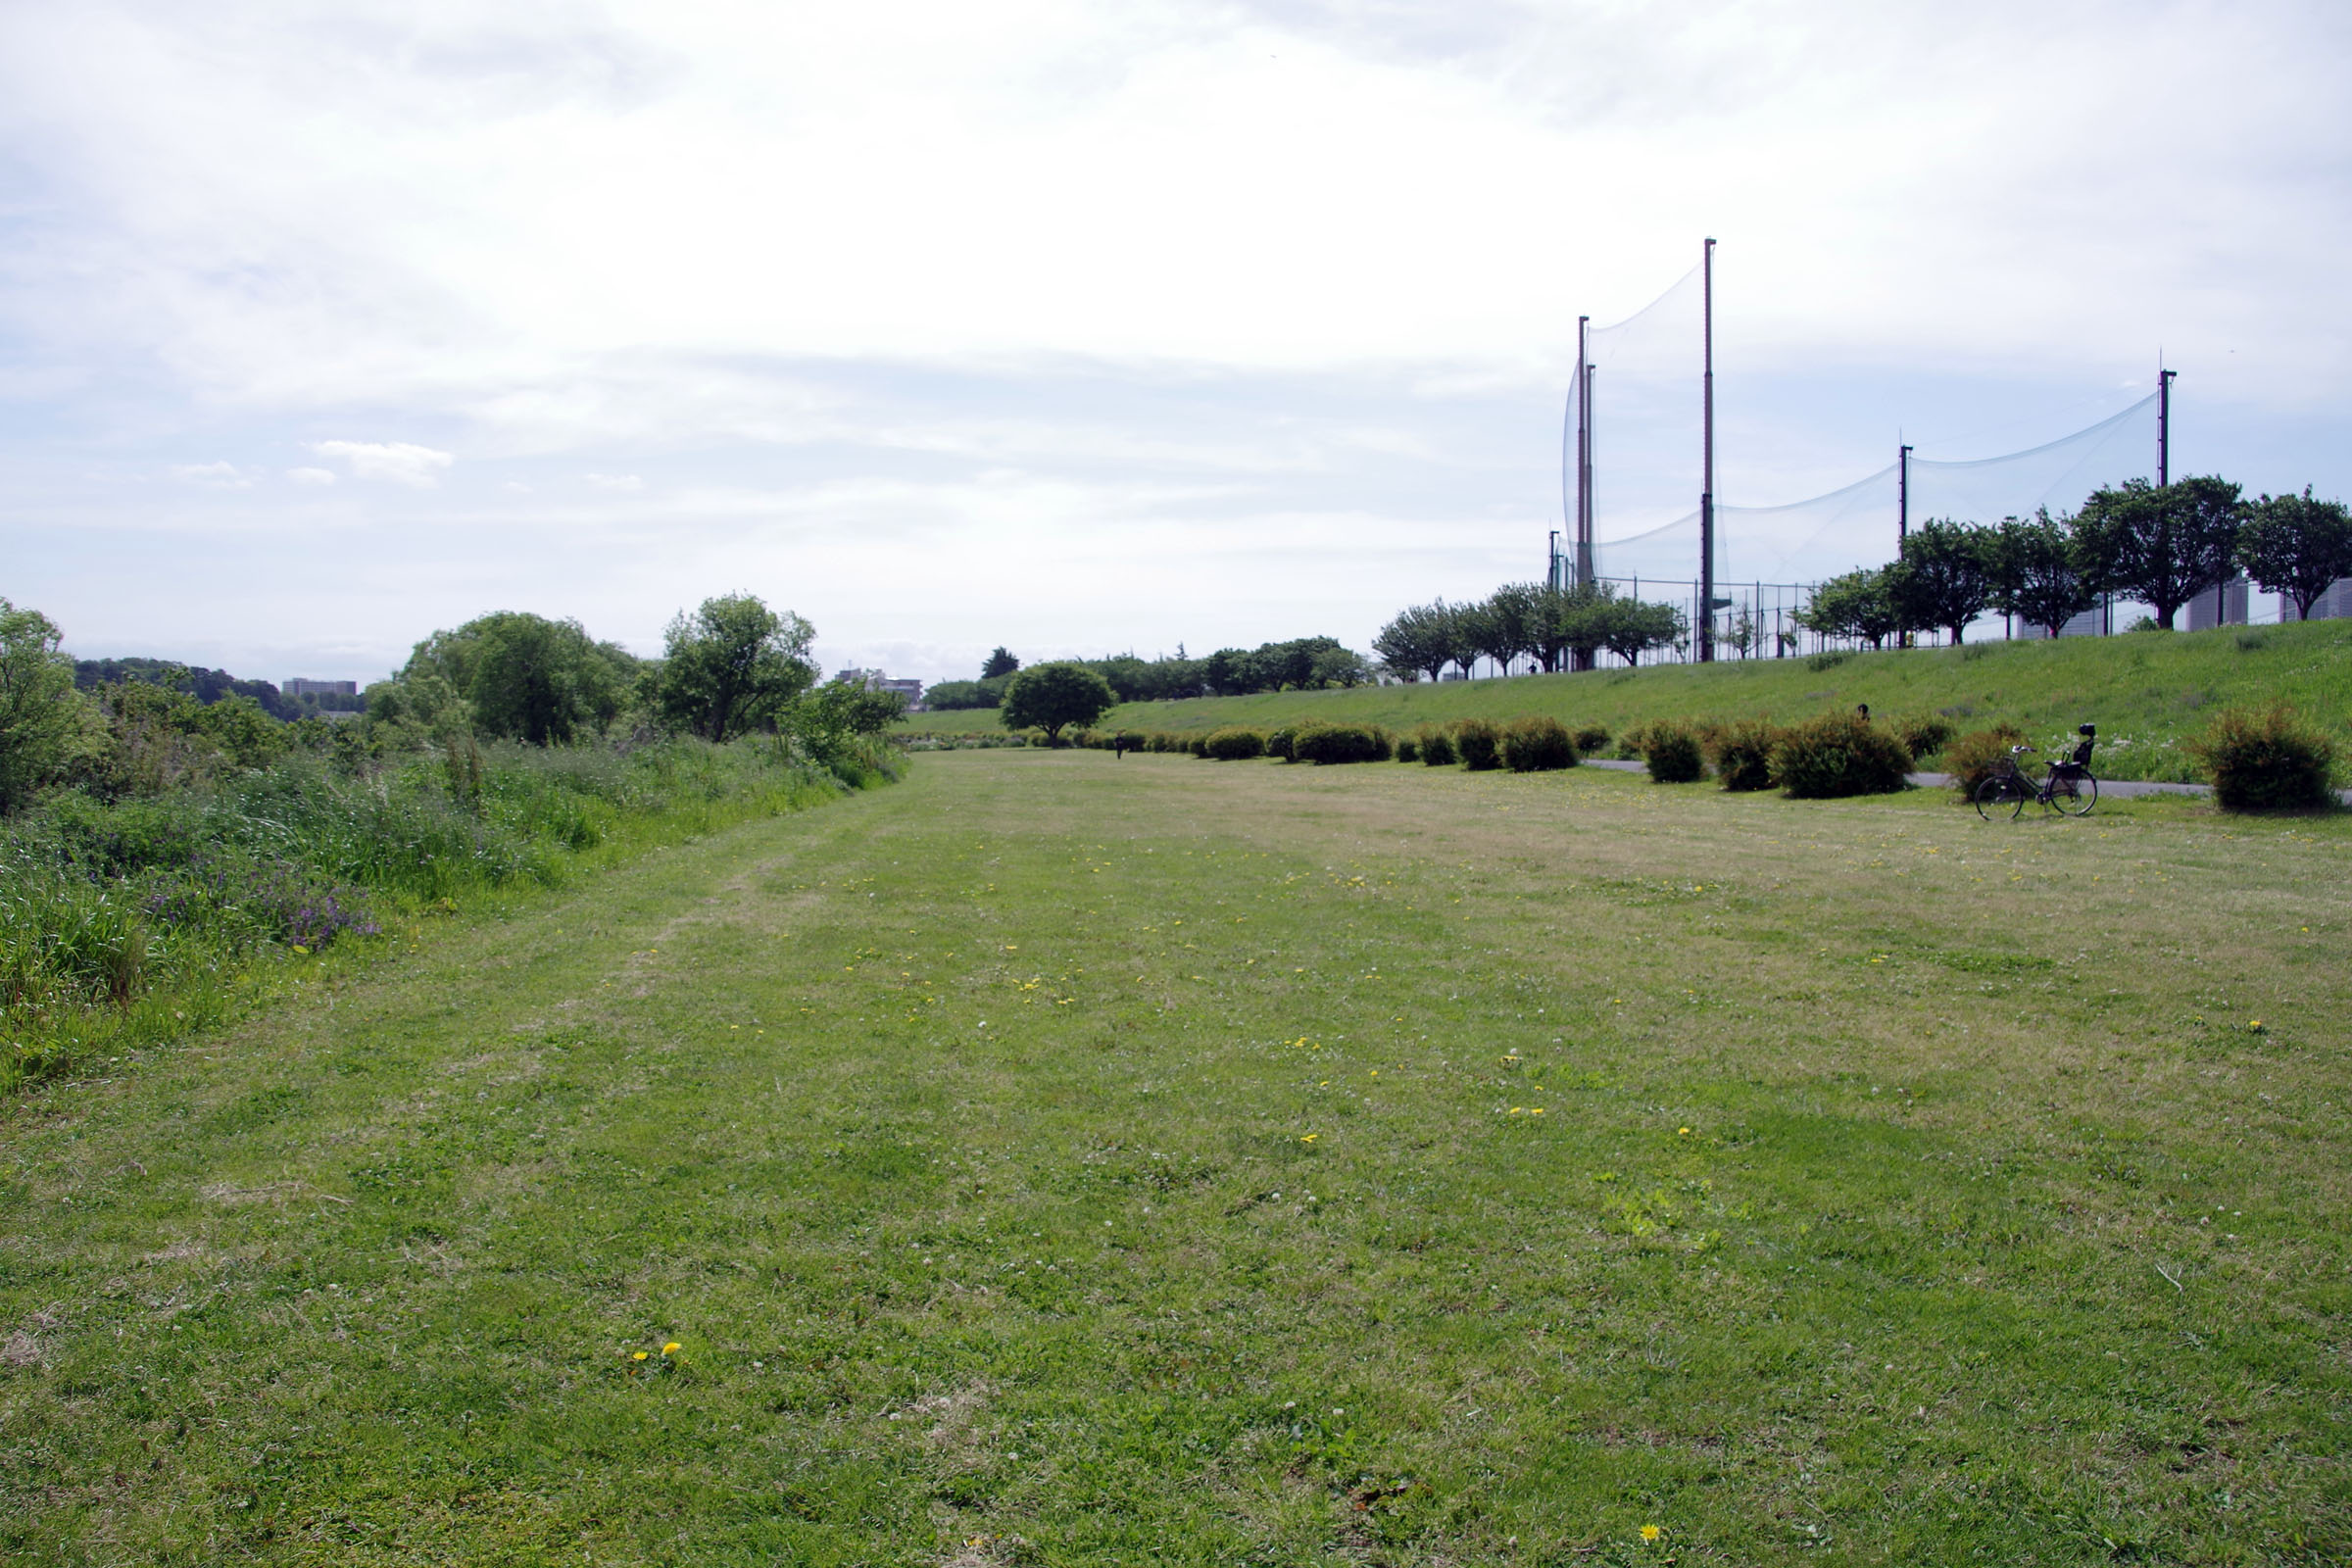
(2067, 786)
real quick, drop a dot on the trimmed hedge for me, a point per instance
(1838, 754)
(1673, 753)
(1589, 738)
(1409, 749)
(1232, 744)
(1323, 743)
(1741, 753)
(1972, 758)
(1538, 745)
(1923, 734)
(1438, 749)
(1479, 743)
(2267, 759)
(1279, 742)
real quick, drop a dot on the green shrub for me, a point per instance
(1975, 756)
(1924, 734)
(1163, 741)
(1232, 744)
(2266, 759)
(1409, 749)
(1838, 754)
(1538, 745)
(1196, 745)
(1590, 739)
(1741, 753)
(1826, 658)
(1438, 749)
(1633, 743)
(1479, 743)
(1277, 742)
(1322, 744)
(1671, 752)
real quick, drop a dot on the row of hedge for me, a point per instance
(2265, 760)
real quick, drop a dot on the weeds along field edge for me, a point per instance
(128, 923)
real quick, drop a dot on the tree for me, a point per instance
(1418, 641)
(2162, 546)
(999, 663)
(1053, 697)
(2038, 573)
(1857, 603)
(828, 718)
(732, 665)
(1511, 622)
(1229, 673)
(1632, 627)
(1341, 666)
(1580, 619)
(38, 706)
(953, 694)
(1944, 577)
(1741, 633)
(2297, 546)
(524, 677)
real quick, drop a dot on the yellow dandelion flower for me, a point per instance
(1310, 1138)
(1651, 1531)
(672, 1349)
(1682, 1132)
(636, 1356)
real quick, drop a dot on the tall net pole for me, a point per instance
(1705, 632)
(2164, 426)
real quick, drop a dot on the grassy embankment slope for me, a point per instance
(2146, 692)
(1059, 1160)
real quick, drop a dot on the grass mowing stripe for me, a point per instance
(1062, 1159)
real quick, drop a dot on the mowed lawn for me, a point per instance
(1059, 1160)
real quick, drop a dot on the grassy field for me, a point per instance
(2146, 692)
(1059, 1160)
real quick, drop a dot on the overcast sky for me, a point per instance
(1078, 326)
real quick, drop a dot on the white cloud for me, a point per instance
(398, 461)
(311, 477)
(613, 481)
(212, 476)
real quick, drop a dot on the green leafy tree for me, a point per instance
(2038, 573)
(37, 707)
(1230, 674)
(2295, 546)
(1944, 577)
(950, 694)
(2162, 546)
(1000, 664)
(1053, 697)
(524, 677)
(831, 717)
(1857, 603)
(1510, 623)
(1419, 641)
(732, 665)
(1631, 627)
(1341, 666)
(1581, 618)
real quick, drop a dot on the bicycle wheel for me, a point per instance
(2074, 796)
(2001, 797)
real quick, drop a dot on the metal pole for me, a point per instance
(1588, 562)
(1706, 493)
(1902, 495)
(2164, 428)
(1584, 450)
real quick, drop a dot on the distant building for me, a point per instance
(2333, 605)
(299, 687)
(875, 681)
(2224, 606)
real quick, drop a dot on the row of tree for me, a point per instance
(1303, 663)
(2159, 545)
(733, 667)
(1551, 627)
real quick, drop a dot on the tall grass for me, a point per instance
(124, 922)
